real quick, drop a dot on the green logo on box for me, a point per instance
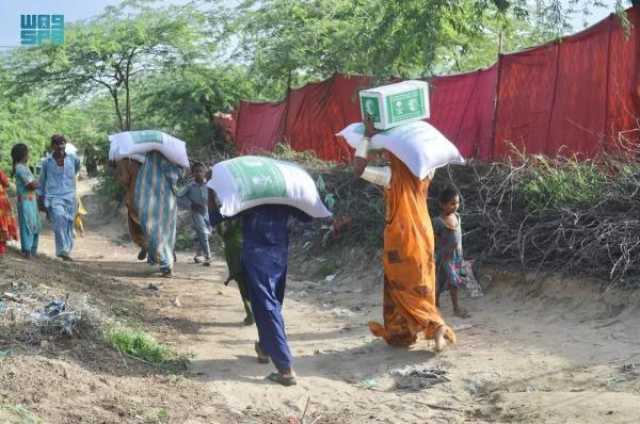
(257, 178)
(370, 106)
(139, 137)
(405, 106)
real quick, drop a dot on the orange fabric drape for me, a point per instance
(8, 227)
(126, 174)
(409, 267)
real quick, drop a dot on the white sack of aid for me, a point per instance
(248, 181)
(135, 144)
(419, 145)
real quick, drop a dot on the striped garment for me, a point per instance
(156, 203)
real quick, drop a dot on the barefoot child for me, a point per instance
(448, 232)
(197, 194)
(8, 230)
(27, 204)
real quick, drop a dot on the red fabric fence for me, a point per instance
(571, 96)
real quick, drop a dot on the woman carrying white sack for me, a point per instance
(409, 305)
(265, 195)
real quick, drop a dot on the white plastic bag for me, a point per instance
(132, 143)
(249, 181)
(418, 145)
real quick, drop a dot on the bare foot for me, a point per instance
(441, 343)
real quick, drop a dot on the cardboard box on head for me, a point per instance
(395, 104)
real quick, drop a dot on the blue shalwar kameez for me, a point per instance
(58, 188)
(265, 252)
(28, 214)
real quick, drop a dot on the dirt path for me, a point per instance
(553, 351)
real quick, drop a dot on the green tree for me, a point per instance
(185, 100)
(289, 42)
(111, 53)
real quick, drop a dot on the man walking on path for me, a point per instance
(58, 194)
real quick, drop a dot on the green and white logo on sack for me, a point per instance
(257, 178)
(148, 136)
(371, 107)
(405, 105)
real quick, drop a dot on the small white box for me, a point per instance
(396, 104)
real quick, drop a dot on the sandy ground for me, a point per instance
(552, 351)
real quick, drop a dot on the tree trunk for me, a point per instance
(116, 104)
(286, 108)
(128, 104)
(127, 91)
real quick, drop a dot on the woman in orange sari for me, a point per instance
(126, 174)
(8, 227)
(409, 305)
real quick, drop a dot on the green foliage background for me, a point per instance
(145, 64)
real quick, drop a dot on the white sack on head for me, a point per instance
(133, 144)
(418, 145)
(248, 181)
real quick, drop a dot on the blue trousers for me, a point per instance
(62, 213)
(201, 228)
(29, 242)
(266, 273)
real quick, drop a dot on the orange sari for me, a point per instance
(8, 227)
(409, 268)
(126, 174)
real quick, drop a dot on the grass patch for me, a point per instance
(553, 184)
(140, 345)
(18, 414)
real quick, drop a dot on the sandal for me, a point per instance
(286, 381)
(142, 254)
(263, 358)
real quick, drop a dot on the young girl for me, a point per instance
(27, 204)
(449, 259)
(8, 230)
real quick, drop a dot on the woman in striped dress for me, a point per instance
(157, 206)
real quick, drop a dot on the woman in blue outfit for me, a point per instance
(57, 191)
(265, 255)
(27, 202)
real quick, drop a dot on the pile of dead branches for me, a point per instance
(581, 217)
(562, 215)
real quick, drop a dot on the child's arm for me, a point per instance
(461, 234)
